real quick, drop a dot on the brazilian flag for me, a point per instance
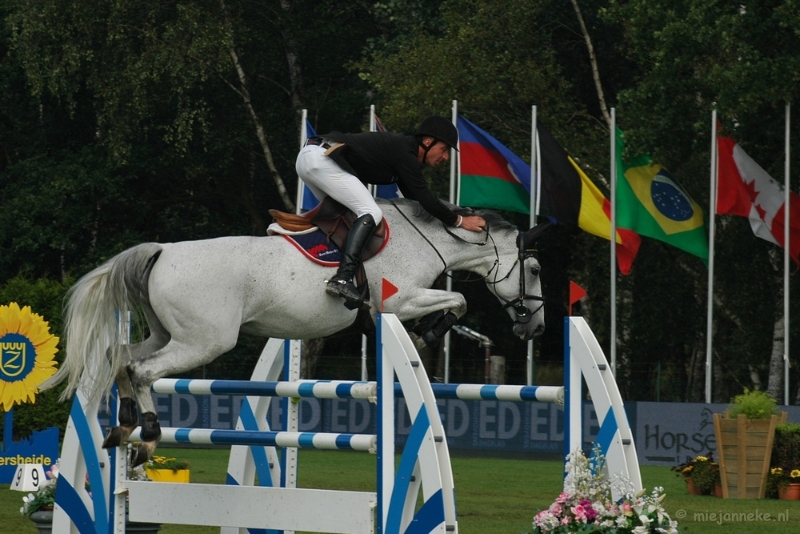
(652, 203)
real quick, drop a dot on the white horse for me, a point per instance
(196, 296)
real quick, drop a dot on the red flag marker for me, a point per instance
(576, 293)
(387, 290)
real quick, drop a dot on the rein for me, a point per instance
(414, 226)
(523, 313)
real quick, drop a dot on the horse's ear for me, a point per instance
(533, 235)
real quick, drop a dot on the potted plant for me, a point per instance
(163, 469)
(701, 474)
(586, 504)
(784, 480)
(746, 430)
(706, 475)
(784, 484)
(684, 470)
(39, 506)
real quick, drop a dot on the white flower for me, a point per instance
(641, 529)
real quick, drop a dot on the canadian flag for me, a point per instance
(745, 189)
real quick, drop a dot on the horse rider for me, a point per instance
(339, 165)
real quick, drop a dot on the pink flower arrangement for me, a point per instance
(586, 505)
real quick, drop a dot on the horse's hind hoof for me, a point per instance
(139, 455)
(114, 438)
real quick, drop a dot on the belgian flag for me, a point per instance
(569, 196)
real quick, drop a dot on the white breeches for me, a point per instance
(326, 179)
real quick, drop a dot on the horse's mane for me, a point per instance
(493, 219)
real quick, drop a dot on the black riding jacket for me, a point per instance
(388, 158)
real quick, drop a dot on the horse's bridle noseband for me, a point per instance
(523, 313)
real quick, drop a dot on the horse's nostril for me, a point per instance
(539, 330)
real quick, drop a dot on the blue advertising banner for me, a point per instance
(665, 433)
(40, 448)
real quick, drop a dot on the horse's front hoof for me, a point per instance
(117, 436)
(141, 454)
(113, 438)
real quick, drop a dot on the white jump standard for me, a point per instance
(423, 471)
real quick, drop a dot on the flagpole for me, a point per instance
(613, 240)
(303, 134)
(372, 188)
(534, 197)
(712, 196)
(787, 244)
(453, 156)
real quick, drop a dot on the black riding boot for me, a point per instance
(342, 285)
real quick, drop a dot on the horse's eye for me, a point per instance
(535, 271)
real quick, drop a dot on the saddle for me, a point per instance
(333, 221)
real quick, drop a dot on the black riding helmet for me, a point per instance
(440, 129)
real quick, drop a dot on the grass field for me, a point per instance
(493, 495)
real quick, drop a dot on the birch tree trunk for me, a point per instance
(695, 385)
(593, 60)
(775, 382)
(296, 89)
(244, 91)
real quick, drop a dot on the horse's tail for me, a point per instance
(92, 315)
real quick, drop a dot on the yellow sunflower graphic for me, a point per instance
(27, 354)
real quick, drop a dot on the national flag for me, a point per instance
(745, 189)
(490, 175)
(307, 199)
(652, 203)
(387, 191)
(379, 125)
(570, 197)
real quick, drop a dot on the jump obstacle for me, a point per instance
(276, 504)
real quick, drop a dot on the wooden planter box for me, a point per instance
(168, 475)
(744, 450)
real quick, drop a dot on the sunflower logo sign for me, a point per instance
(27, 354)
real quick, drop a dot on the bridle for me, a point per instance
(523, 313)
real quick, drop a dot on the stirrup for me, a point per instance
(347, 290)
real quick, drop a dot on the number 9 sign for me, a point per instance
(29, 477)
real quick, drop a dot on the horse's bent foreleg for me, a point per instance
(423, 302)
(432, 328)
